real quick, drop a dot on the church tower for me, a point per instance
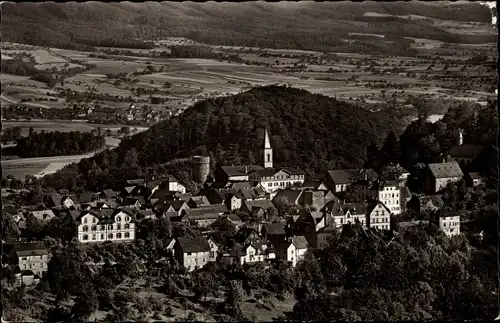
(267, 152)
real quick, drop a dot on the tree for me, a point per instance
(373, 157)
(10, 230)
(31, 131)
(125, 130)
(390, 149)
(86, 303)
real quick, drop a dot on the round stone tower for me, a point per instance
(201, 168)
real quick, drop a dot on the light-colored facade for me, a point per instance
(32, 256)
(379, 217)
(195, 253)
(349, 217)
(267, 152)
(273, 181)
(450, 225)
(118, 227)
(389, 194)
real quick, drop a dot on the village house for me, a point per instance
(205, 215)
(29, 257)
(447, 220)
(338, 180)
(389, 194)
(321, 238)
(167, 182)
(251, 194)
(379, 216)
(198, 201)
(44, 215)
(136, 202)
(464, 154)
(257, 205)
(292, 249)
(441, 174)
(474, 179)
(346, 213)
(194, 253)
(105, 225)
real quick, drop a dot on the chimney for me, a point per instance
(366, 175)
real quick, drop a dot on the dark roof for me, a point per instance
(177, 204)
(300, 242)
(311, 184)
(9, 209)
(353, 208)
(139, 181)
(30, 249)
(146, 213)
(446, 170)
(198, 244)
(288, 193)
(264, 204)
(475, 176)
(348, 176)
(240, 185)
(184, 197)
(466, 151)
(209, 209)
(200, 200)
(238, 250)
(109, 193)
(447, 212)
(233, 217)
(275, 228)
(84, 198)
(240, 170)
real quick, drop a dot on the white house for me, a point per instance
(292, 249)
(105, 225)
(448, 221)
(379, 216)
(389, 195)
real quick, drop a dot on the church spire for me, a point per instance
(267, 151)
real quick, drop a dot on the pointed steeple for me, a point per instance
(267, 151)
(267, 143)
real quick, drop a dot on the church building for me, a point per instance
(266, 175)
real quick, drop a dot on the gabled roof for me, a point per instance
(475, 175)
(466, 151)
(371, 205)
(206, 213)
(291, 194)
(109, 193)
(446, 170)
(300, 242)
(447, 212)
(275, 228)
(240, 185)
(198, 244)
(269, 172)
(264, 204)
(239, 170)
(30, 249)
(43, 215)
(348, 176)
(146, 213)
(139, 181)
(200, 200)
(353, 208)
(83, 198)
(243, 233)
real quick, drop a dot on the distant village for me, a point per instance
(311, 211)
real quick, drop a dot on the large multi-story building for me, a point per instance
(448, 221)
(105, 225)
(389, 194)
(32, 256)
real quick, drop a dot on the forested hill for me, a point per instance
(311, 131)
(302, 25)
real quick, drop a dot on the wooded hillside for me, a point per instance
(301, 25)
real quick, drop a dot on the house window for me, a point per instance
(110, 236)
(189, 253)
(118, 226)
(85, 237)
(118, 219)
(103, 227)
(127, 218)
(268, 157)
(85, 220)
(94, 228)
(110, 227)
(85, 228)
(127, 235)
(94, 237)
(93, 220)
(102, 236)
(118, 235)
(127, 226)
